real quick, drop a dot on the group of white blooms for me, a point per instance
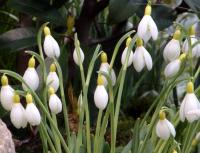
(172, 51)
(190, 107)
(10, 100)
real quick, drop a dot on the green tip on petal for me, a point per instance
(16, 98)
(177, 35)
(162, 115)
(51, 91)
(31, 62)
(190, 87)
(139, 42)
(100, 79)
(29, 98)
(128, 41)
(47, 31)
(192, 30)
(53, 68)
(4, 80)
(104, 58)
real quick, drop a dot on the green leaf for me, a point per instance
(127, 148)
(41, 9)
(121, 10)
(193, 4)
(17, 39)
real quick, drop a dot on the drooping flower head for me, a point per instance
(141, 57)
(173, 67)
(32, 113)
(172, 49)
(52, 78)
(105, 67)
(55, 104)
(30, 76)
(51, 47)
(100, 94)
(189, 105)
(193, 39)
(147, 27)
(164, 128)
(17, 114)
(6, 94)
(75, 55)
(123, 57)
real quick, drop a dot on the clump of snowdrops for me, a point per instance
(157, 135)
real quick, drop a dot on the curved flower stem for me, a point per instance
(42, 107)
(117, 47)
(85, 85)
(62, 93)
(117, 108)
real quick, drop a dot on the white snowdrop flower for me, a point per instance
(147, 27)
(6, 94)
(173, 67)
(52, 78)
(105, 67)
(100, 94)
(189, 104)
(193, 39)
(164, 128)
(172, 49)
(75, 55)
(55, 104)
(30, 76)
(141, 57)
(123, 57)
(31, 112)
(51, 47)
(17, 114)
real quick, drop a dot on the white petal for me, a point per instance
(123, 57)
(48, 46)
(142, 27)
(147, 59)
(55, 104)
(104, 67)
(32, 114)
(53, 80)
(75, 56)
(31, 78)
(101, 97)
(56, 48)
(6, 97)
(138, 59)
(17, 116)
(191, 104)
(195, 113)
(162, 129)
(172, 50)
(172, 68)
(153, 28)
(181, 112)
(171, 128)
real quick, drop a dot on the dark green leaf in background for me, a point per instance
(41, 9)
(121, 10)
(194, 5)
(17, 39)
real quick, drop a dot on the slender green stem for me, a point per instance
(48, 138)
(62, 93)
(56, 138)
(97, 131)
